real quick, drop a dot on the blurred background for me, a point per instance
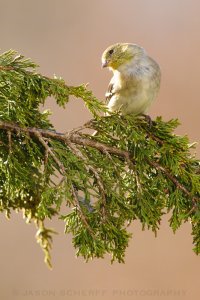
(67, 38)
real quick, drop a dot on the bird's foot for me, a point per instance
(148, 119)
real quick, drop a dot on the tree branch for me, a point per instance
(79, 139)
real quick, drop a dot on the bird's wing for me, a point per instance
(110, 91)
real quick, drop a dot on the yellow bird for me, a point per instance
(136, 78)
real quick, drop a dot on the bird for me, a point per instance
(136, 79)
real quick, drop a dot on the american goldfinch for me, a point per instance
(136, 78)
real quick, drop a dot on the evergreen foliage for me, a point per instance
(129, 170)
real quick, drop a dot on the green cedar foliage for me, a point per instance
(129, 170)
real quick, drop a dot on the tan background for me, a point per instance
(67, 37)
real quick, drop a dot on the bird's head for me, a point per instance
(119, 54)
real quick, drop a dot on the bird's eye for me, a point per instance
(111, 51)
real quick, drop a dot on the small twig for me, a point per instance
(78, 129)
(114, 166)
(46, 156)
(155, 138)
(94, 172)
(175, 181)
(9, 141)
(6, 68)
(48, 149)
(77, 204)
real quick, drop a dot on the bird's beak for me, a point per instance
(104, 64)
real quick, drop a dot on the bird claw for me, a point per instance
(148, 119)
